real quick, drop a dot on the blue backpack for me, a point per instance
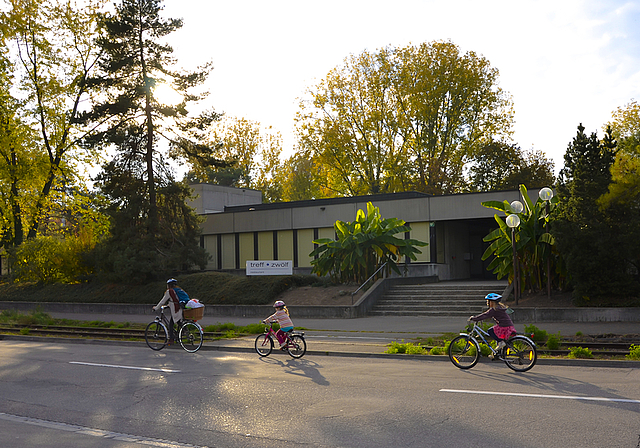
(183, 297)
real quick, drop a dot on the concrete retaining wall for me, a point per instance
(530, 315)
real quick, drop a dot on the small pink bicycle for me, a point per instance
(295, 343)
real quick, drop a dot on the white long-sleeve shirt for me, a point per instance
(174, 304)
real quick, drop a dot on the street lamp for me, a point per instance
(513, 221)
(546, 194)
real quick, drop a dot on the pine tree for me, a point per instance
(591, 240)
(133, 119)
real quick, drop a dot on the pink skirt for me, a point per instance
(504, 332)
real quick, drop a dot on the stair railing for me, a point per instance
(367, 281)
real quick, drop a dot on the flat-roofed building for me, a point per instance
(243, 229)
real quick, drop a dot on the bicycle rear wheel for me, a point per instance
(464, 352)
(264, 344)
(156, 335)
(520, 354)
(297, 346)
(190, 337)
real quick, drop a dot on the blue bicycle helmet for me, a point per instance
(493, 296)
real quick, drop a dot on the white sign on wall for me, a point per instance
(270, 267)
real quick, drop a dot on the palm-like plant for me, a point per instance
(362, 246)
(534, 244)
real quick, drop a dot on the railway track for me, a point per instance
(86, 332)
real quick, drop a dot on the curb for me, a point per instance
(541, 361)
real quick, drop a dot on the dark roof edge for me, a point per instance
(328, 201)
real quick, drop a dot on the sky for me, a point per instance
(564, 62)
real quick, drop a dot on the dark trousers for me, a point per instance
(492, 333)
(171, 331)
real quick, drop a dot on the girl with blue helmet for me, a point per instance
(504, 327)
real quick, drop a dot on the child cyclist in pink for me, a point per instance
(504, 327)
(282, 317)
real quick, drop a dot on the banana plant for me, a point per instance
(362, 246)
(533, 242)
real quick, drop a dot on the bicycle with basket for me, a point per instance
(190, 334)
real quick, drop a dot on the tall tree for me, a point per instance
(591, 241)
(14, 162)
(623, 198)
(251, 156)
(302, 178)
(50, 45)
(449, 104)
(625, 186)
(403, 118)
(132, 117)
(349, 126)
(147, 204)
(131, 254)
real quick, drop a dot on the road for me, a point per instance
(56, 395)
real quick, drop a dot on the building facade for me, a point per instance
(238, 228)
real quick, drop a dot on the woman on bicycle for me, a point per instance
(282, 317)
(504, 327)
(171, 296)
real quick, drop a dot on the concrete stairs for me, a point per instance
(443, 299)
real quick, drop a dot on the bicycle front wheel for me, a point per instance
(156, 335)
(264, 345)
(190, 337)
(297, 346)
(520, 354)
(464, 352)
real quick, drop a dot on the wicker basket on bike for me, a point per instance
(193, 313)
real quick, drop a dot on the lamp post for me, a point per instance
(513, 221)
(546, 194)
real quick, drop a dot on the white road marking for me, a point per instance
(565, 397)
(124, 367)
(96, 432)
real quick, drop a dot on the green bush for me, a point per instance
(437, 351)
(634, 352)
(406, 348)
(9, 316)
(580, 352)
(211, 288)
(538, 335)
(553, 343)
(362, 246)
(50, 259)
(35, 317)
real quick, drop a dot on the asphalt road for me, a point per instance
(59, 395)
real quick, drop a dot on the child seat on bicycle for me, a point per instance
(281, 316)
(504, 327)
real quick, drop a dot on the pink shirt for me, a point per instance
(282, 318)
